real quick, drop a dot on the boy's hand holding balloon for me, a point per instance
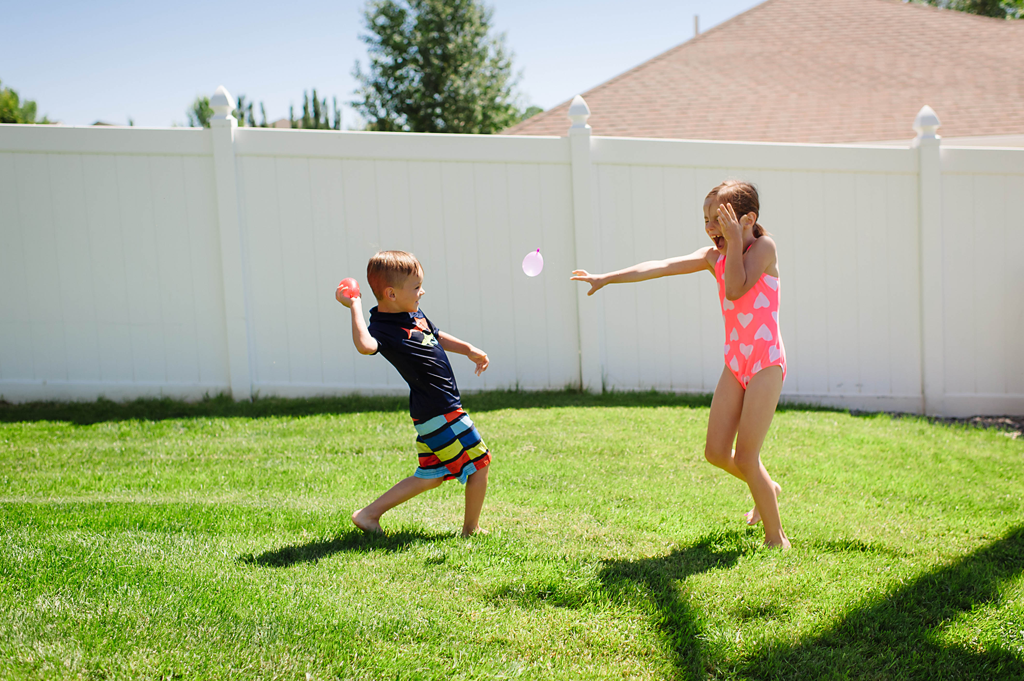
(348, 289)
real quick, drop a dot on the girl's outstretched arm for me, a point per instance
(651, 269)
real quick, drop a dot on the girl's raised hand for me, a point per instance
(595, 281)
(730, 225)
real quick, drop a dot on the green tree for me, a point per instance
(1000, 9)
(243, 113)
(531, 111)
(435, 67)
(200, 114)
(13, 110)
(315, 115)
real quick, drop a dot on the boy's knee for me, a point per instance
(431, 483)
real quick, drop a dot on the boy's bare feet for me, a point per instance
(470, 533)
(753, 516)
(364, 522)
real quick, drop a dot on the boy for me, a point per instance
(448, 444)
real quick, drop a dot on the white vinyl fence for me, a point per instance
(188, 262)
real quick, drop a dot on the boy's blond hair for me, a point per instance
(390, 268)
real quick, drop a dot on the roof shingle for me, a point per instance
(822, 71)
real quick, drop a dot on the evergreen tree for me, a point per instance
(315, 114)
(200, 114)
(435, 67)
(243, 113)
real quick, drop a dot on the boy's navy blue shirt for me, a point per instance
(410, 342)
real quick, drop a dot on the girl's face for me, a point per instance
(711, 225)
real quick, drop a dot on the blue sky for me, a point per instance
(111, 60)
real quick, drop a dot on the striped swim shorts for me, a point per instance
(449, 447)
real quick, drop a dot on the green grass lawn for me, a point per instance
(156, 540)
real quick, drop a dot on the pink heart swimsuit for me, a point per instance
(752, 338)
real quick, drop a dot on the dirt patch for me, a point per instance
(1012, 426)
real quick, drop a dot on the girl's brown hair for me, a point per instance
(744, 199)
(390, 268)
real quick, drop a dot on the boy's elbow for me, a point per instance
(364, 347)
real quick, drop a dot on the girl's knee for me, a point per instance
(747, 462)
(717, 456)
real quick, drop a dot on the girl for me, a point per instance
(743, 261)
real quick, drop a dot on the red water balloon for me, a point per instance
(351, 287)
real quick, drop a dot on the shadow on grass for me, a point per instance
(896, 637)
(222, 406)
(352, 541)
(657, 580)
(652, 580)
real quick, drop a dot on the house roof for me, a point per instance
(825, 71)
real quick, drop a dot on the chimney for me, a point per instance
(696, 25)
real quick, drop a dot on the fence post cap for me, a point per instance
(222, 104)
(927, 123)
(579, 112)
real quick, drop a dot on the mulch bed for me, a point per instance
(1012, 425)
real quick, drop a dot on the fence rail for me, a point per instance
(140, 262)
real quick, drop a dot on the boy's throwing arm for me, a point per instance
(364, 342)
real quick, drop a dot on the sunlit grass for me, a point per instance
(160, 539)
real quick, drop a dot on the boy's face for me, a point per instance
(408, 293)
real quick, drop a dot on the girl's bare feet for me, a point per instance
(784, 544)
(470, 533)
(753, 516)
(364, 522)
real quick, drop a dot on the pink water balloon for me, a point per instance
(533, 263)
